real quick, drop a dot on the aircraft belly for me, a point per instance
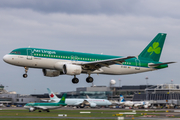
(122, 69)
(52, 107)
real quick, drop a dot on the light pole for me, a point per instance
(119, 83)
(146, 88)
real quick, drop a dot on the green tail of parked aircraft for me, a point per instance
(55, 62)
(46, 106)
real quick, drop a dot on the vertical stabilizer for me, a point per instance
(153, 50)
(63, 98)
(121, 98)
(52, 96)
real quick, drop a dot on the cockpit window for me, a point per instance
(15, 52)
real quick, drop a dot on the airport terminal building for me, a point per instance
(12, 98)
(163, 92)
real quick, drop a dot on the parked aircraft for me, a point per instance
(144, 104)
(80, 102)
(55, 62)
(46, 106)
(1, 105)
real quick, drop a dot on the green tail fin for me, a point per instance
(63, 98)
(153, 50)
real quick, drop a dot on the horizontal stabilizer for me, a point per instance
(155, 65)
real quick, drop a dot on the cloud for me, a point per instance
(123, 7)
(115, 28)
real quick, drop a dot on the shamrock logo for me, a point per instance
(51, 95)
(63, 99)
(154, 48)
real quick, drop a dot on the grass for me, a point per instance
(21, 114)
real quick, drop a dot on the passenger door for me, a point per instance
(138, 64)
(29, 54)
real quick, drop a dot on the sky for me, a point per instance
(112, 27)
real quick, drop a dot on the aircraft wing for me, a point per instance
(78, 103)
(155, 65)
(103, 63)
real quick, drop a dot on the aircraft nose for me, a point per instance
(6, 58)
(110, 103)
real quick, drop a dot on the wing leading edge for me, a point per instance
(103, 63)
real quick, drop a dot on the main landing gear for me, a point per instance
(26, 70)
(89, 79)
(75, 80)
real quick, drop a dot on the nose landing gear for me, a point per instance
(26, 70)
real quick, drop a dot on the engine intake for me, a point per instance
(92, 105)
(31, 109)
(70, 69)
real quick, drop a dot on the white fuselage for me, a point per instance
(49, 63)
(77, 102)
(135, 103)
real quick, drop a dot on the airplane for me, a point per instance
(46, 106)
(55, 62)
(2, 105)
(80, 102)
(144, 104)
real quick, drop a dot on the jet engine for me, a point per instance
(92, 104)
(31, 109)
(51, 73)
(71, 69)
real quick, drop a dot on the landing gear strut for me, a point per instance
(89, 79)
(75, 80)
(26, 70)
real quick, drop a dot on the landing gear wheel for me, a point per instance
(48, 111)
(39, 111)
(25, 75)
(26, 70)
(75, 80)
(89, 79)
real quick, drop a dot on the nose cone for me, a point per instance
(5, 58)
(109, 103)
